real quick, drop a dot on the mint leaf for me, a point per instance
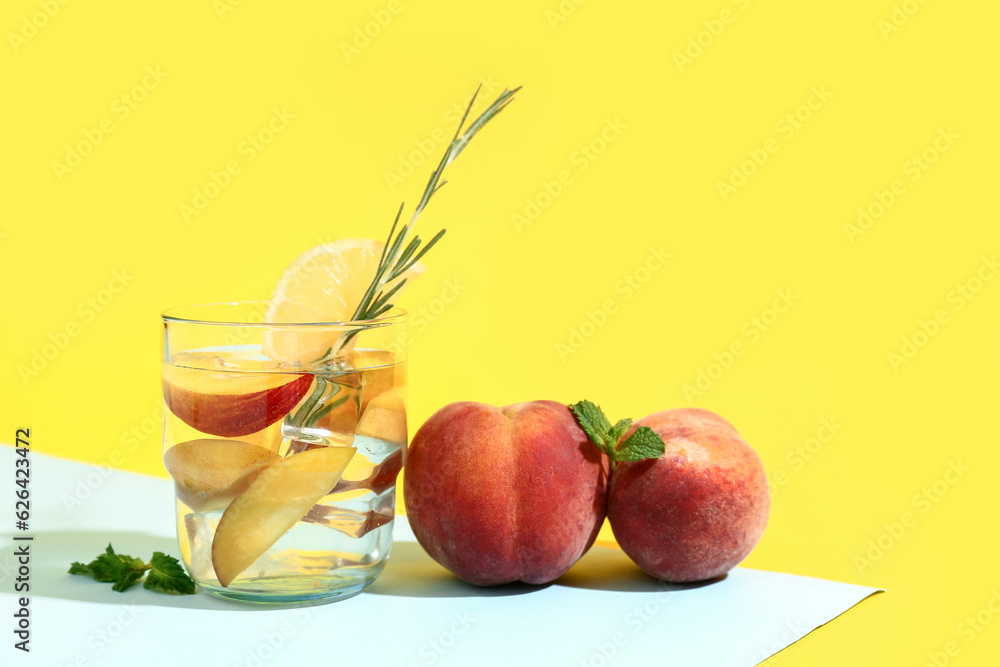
(105, 567)
(593, 422)
(119, 569)
(619, 430)
(80, 568)
(112, 567)
(128, 578)
(644, 443)
(123, 571)
(167, 576)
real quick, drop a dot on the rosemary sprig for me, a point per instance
(398, 255)
(301, 418)
(315, 408)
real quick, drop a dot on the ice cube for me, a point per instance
(374, 449)
(352, 522)
(200, 528)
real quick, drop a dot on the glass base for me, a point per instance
(279, 591)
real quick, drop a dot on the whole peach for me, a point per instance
(698, 510)
(498, 495)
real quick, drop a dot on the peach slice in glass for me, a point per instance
(209, 473)
(384, 418)
(276, 500)
(378, 372)
(231, 404)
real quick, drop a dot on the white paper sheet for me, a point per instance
(603, 612)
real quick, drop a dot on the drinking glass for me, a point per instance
(284, 442)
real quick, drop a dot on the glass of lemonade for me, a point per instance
(284, 442)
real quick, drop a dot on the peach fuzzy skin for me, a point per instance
(697, 511)
(498, 495)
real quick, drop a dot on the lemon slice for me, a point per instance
(324, 284)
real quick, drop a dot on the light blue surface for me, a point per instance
(603, 612)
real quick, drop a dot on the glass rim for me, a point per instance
(394, 315)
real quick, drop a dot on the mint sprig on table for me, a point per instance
(644, 443)
(398, 255)
(165, 572)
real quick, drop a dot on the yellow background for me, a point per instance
(587, 68)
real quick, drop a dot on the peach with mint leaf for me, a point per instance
(498, 495)
(697, 509)
(620, 442)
